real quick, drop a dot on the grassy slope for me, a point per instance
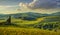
(25, 31)
(49, 19)
(52, 19)
(26, 21)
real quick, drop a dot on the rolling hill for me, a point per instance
(30, 24)
(50, 22)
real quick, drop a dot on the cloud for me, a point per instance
(8, 9)
(41, 6)
(6, 6)
(44, 4)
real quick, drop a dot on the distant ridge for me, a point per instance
(29, 14)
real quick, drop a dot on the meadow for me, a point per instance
(25, 31)
(49, 25)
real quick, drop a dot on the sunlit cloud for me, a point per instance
(38, 4)
(41, 6)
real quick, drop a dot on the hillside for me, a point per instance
(32, 19)
(30, 24)
(50, 22)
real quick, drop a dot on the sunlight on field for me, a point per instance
(25, 31)
(26, 27)
(26, 21)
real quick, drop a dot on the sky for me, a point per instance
(22, 6)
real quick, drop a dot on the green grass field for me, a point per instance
(25, 27)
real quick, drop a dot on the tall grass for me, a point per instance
(25, 31)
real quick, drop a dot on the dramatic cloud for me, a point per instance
(41, 6)
(44, 4)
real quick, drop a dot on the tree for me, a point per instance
(8, 20)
